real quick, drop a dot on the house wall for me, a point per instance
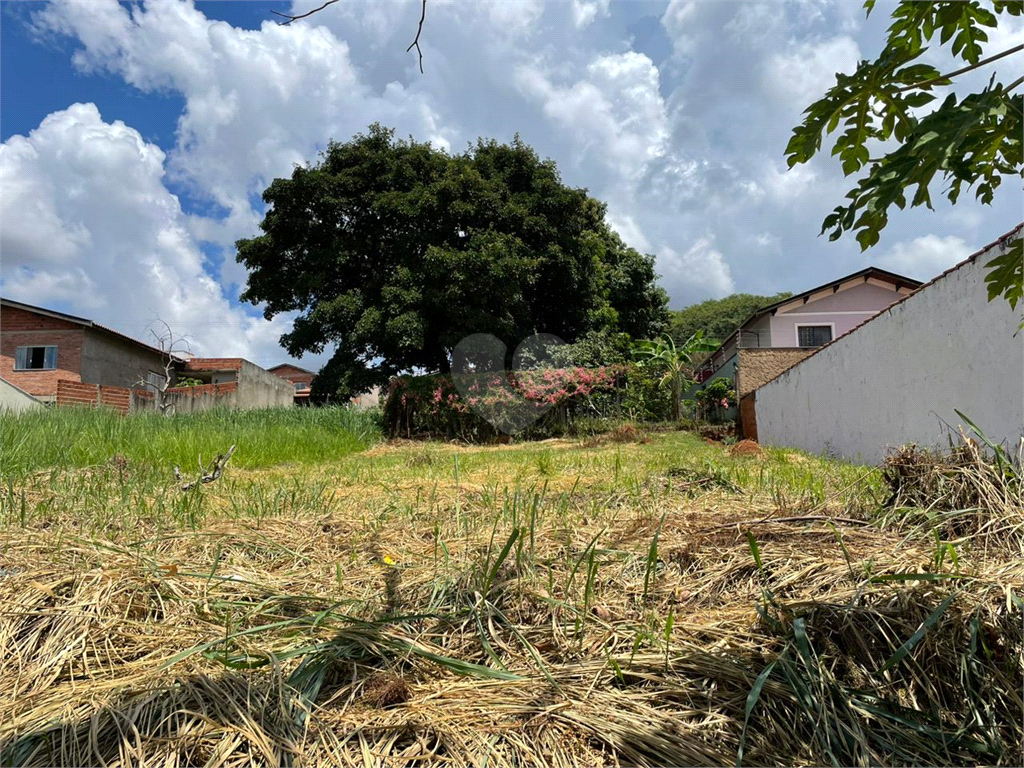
(114, 362)
(755, 367)
(845, 309)
(19, 328)
(758, 334)
(899, 378)
(16, 400)
(369, 399)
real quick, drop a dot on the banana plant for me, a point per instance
(676, 362)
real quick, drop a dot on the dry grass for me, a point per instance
(626, 603)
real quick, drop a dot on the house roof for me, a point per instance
(969, 260)
(293, 367)
(900, 281)
(82, 322)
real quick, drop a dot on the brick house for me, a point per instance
(39, 347)
(300, 378)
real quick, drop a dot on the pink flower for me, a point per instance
(725, 402)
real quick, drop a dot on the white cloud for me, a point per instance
(925, 257)
(88, 223)
(804, 73)
(702, 264)
(585, 11)
(615, 115)
(678, 120)
(257, 102)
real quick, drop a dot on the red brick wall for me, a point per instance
(205, 389)
(214, 364)
(76, 393)
(748, 416)
(26, 329)
(12, 319)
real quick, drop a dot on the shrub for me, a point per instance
(431, 405)
(714, 400)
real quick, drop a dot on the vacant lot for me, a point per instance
(626, 599)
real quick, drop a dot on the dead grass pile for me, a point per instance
(705, 628)
(960, 493)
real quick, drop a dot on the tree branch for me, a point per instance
(416, 42)
(215, 470)
(290, 18)
(950, 75)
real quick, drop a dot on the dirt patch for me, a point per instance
(746, 448)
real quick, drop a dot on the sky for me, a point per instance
(137, 139)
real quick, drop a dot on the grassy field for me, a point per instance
(639, 599)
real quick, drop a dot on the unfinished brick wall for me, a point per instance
(756, 367)
(205, 389)
(19, 328)
(748, 417)
(71, 393)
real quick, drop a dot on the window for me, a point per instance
(301, 386)
(814, 335)
(35, 359)
(155, 381)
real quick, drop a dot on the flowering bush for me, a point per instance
(432, 404)
(714, 399)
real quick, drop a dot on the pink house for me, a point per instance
(781, 334)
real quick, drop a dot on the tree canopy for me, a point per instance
(887, 107)
(717, 318)
(394, 251)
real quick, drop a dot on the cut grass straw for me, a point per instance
(547, 605)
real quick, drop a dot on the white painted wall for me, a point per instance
(899, 377)
(13, 398)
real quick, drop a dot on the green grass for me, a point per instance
(67, 438)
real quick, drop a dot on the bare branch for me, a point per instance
(290, 18)
(171, 347)
(950, 75)
(416, 42)
(215, 470)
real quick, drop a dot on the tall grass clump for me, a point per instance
(67, 438)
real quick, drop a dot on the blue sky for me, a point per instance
(136, 139)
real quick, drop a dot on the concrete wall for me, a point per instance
(17, 400)
(759, 366)
(199, 398)
(843, 310)
(259, 388)
(114, 362)
(898, 378)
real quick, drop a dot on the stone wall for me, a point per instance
(757, 367)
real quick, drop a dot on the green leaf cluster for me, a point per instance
(887, 107)
(717, 318)
(393, 251)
